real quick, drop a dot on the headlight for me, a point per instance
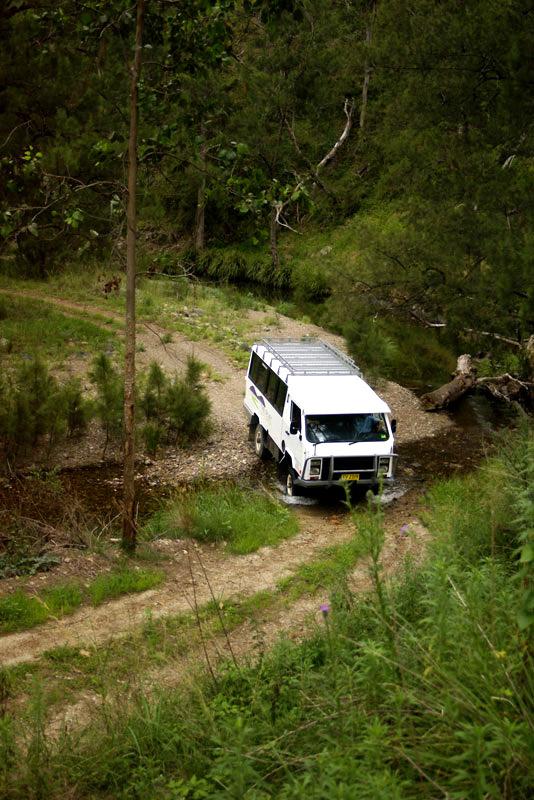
(384, 465)
(315, 467)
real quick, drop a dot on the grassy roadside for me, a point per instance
(421, 688)
(67, 671)
(243, 518)
(21, 611)
(216, 314)
(31, 327)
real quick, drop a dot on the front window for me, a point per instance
(346, 428)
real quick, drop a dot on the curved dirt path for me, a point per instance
(202, 573)
(229, 436)
(226, 454)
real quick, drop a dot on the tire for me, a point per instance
(260, 443)
(292, 489)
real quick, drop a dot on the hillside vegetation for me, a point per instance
(362, 164)
(422, 687)
(372, 159)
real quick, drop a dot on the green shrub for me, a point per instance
(109, 404)
(34, 405)
(77, 410)
(246, 519)
(153, 436)
(396, 350)
(177, 409)
(241, 266)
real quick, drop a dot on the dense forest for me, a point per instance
(183, 614)
(371, 161)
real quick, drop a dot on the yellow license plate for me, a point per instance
(350, 476)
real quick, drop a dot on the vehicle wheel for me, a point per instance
(260, 444)
(292, 489)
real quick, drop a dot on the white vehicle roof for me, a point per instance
(321, 379)
(335, 394)
(305, 357)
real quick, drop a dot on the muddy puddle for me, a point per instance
(96, 490)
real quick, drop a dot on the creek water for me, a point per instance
(97, 489)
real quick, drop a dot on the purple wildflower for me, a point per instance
(405, 529)
(325, 608)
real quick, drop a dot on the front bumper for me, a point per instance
(366, 468)
(368, 481)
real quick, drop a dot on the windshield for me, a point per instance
(346, 428)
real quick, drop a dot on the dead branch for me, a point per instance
(498, 336)
(348, 110)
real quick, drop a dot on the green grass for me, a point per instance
(21, 611)
(422, 688)
(329, 571)
(63, 599)
(35, 328)
(244, 518)
(123, 581)
(201, 312)
(67, 671)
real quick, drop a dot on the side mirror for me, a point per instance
(394, 425)
(293, 429)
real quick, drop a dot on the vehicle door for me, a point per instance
(293, 433)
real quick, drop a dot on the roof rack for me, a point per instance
(310, 357)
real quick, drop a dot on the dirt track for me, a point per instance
(227, 454)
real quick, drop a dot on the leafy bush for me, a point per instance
(241, 266)
(177, 409)
(34, 405)
(77, 410)
(109, 396)
(397, 350)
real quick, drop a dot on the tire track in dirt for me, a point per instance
(202, 573)
(247, 642)
(230, 576)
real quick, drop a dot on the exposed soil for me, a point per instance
(197, 573)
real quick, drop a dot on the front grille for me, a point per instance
(354, 464)
(325, 469)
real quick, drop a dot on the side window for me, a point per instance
(280, 398)
(263, 376)
(296, 418)
(254, 370)
(272, 387)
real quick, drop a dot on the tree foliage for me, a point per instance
(240, 101)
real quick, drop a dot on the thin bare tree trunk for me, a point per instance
(273, 238)
(367, 69)
(128, 519)
(200, 216)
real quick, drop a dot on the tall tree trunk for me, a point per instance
(273, 238)
(200, 216)
(367, 68)
(128, 518)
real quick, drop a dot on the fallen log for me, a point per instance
(463, 381)
(504, 387)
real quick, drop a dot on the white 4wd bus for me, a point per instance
(308, 405)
